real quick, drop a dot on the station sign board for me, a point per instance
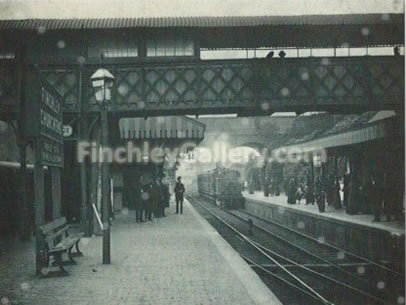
(51, 121)
(44, 119)
(51, 153)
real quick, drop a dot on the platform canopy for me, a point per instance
(378, 127)
(161, 128)
(302, 31)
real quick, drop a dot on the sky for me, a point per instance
(22, 9)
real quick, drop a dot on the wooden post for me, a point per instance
(106, 211)
(24, 211)
(94, 185)
(24, 219)
(84, 204)
(56, 192)
(39, 206)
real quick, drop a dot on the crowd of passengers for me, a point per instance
(377, 195)
(153, 198)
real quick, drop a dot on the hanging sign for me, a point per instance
(51, 153)
(44, 119)
(50, 116)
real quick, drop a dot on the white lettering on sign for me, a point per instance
(50, 101)
(51, 116)
(51, 154)
(51, 122)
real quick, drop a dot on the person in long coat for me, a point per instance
(158, 198)
(155, 198)
(353, 195)
(277, 188)
(309, 190)
(336, 194)
(330, 190)
(291, 192)
(146, 198)
(346, 189)
(179, 191)
(365, 195)
(165, 197)
(139, 203)
(320, 195)
(377, 197)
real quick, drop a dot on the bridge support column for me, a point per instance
(39, 207)
(93, 186)
(106, 207)
(84, 205)
(24, 211)
(56, 192)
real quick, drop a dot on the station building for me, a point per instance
(46, 65)
(363, 146)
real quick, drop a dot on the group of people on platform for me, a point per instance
(317, 192)
(374, 194)
(154, 199)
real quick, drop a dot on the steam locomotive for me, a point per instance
(223, 187)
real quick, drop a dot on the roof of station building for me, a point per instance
(347, 130)
(202, 21)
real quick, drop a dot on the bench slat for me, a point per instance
(53, 225)
(65, 244)
(61, 226)
(56, 234)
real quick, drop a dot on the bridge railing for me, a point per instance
(243, 85)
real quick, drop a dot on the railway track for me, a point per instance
(304, 240)
(318, 272)
(329, 252)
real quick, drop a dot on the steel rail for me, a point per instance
(293, 262)
(326, 244)
(280, 278)
(305, 250)
(294, 245)
(252, 243)
(367, 294)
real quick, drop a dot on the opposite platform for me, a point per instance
(394, 226)
(382, 242)
(179, 259)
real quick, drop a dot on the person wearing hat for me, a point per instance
(165, 197)
(179, 191)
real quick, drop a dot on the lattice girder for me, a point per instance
(66, 82)
(276, 84)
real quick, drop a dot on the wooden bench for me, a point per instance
(57, 240)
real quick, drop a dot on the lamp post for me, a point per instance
(102, 82)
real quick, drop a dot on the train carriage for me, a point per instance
(222, 187)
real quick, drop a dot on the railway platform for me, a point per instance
(179, 259)
(394, 226)
(383, 241)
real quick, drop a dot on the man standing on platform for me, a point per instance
(155, 198)
(376, 196)
(165, 196)
(146, 197)
(320, 195)
(158, 198)
(179, 190)
(292, 192)
(139, 202)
